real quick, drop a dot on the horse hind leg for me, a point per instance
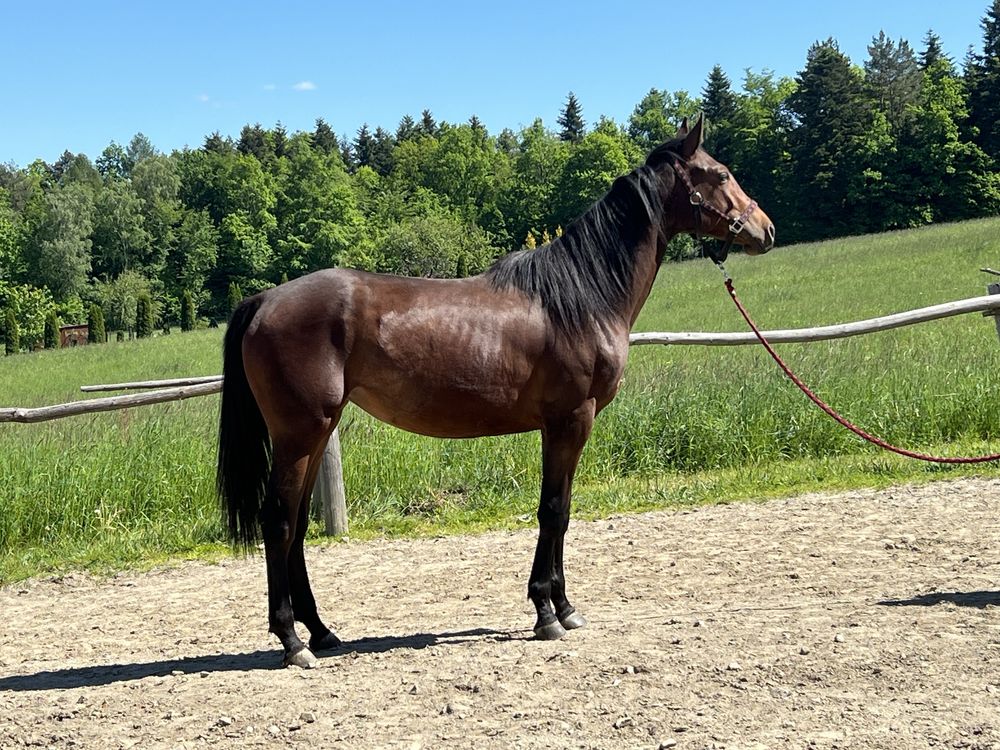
(303, 601)
(284, 520)
(562, 443)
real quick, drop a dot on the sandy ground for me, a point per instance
(863, 620)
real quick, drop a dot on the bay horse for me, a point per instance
(537, 342)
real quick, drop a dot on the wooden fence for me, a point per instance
(329, 492)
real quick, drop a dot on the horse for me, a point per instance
(537, 342)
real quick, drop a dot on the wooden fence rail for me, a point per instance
(824, 333)
(329, 491)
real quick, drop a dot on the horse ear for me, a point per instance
(682, 131)
(693, 138)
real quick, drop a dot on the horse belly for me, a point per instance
(432, 409)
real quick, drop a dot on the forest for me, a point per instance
(137, 240)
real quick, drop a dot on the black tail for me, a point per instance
(244, 445)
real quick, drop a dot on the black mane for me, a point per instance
(588, 273)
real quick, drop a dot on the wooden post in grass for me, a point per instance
(992, 289)
(329, 490)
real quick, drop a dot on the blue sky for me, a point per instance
(77, 75)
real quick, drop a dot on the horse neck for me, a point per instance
(647, 258)
(651, 248)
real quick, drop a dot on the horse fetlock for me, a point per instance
(324, 642)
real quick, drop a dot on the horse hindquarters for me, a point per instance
(272, 437)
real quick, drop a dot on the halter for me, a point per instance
(699, 205)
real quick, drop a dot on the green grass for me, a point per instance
(692, 424)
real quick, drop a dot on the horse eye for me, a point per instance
(724, 177)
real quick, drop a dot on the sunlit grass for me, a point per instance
(691, 425)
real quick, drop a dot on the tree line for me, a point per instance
(148, 240)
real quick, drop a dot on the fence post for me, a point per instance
(329, 490)
(993, 289)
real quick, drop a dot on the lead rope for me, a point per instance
(829, 410)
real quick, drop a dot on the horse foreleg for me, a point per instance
(280, 527)
(562, 443)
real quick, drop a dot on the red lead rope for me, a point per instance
(819, 402)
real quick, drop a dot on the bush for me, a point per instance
(234, 297)
(95, 325)
(188, 312)
(11, 333)
(143, 316)
(30, 306)
(51, 337)
(439, 246)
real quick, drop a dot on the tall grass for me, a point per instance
(690, 423)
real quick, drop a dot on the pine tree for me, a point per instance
(143, 316)
(427, 124)
(718, 99)
(216, 144)
(364, 146)
(933, 51)
(983, 81)
(383, 144)
(828, 146)
(571, 120)
(719, 106)
(892, 79)
(11, 333)
(50, 338)
(347, 154)
(253, 141)
(96, 333)
(323, 137)
(279, 136)
(407, 129)
(188, 312)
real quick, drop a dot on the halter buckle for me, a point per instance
(696, 198)
(741, 221)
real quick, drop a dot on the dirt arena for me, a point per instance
(862, 619)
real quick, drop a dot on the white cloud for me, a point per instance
(205, 98)
(270, 87)
(304, 86)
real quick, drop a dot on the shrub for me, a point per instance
(95, 322)
(11, 333)
(143, 316)
(51, 337)
(188, 312)
(234, 297)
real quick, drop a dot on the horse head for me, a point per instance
(718, 206)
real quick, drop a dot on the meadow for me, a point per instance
(691, 424)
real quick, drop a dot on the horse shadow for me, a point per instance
(107, 674)
(975, 599)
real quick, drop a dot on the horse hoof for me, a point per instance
(326, 643)
(573, 620)
(303, 659)
(551, 632)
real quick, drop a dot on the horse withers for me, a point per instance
(537, 342)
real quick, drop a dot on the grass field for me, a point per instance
(691, 424)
